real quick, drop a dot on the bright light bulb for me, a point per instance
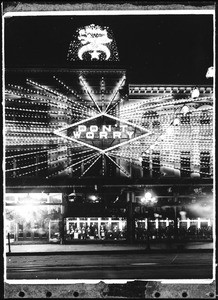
(148, 195)
(93, 197)
(210, 72)
(183, 215)
(169, 130)
(195, 93)
(176, 122)
(185, 110)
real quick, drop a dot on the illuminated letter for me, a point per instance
(90, 135)
(116, 134)
(106, 128)
(82, 128)
(129, 133)
(93, 128)
(77, 134)
(103, 134)
(123, 127)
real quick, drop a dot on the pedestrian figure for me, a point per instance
(88, 232)
(71, 233)
(83, 233)
(102, 232)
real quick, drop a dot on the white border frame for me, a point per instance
(116, 13)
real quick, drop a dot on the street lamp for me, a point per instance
(72, 197)
(94, 198)
(149, 200)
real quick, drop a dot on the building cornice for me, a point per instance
(63, 70)
(167, 88)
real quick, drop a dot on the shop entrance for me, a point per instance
(33, 217)
(32, 230)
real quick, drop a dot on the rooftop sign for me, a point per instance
(93, 42)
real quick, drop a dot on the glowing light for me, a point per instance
(118, 166)
(93, 197)
(88, 91)
(76, 136)
(92, 164)
(183, 215)
(116, 90)
(148, 198)
(75, 94)
(39, 130)
(26, 211)
(176, 121)
(169, 130)
(93, 42)
(195, 93)
(83, 159)
(210, 72)
(185, 109)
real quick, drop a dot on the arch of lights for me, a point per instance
(36, 116)
(57, 129)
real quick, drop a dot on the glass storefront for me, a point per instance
(95, 228)
(162, 229)
(39, 217)
(33, 216)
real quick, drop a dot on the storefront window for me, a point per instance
(95, 228)
(33, 198)
(55, 198)
(28, 219)
(54, 231)
(191, 229)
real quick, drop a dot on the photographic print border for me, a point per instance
(109, 288)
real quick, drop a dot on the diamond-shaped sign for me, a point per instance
(103, 132)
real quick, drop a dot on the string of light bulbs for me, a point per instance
(92, 164)
(85, 85)
(118, 166)
(75, 94)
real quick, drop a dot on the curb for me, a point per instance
(111, 252)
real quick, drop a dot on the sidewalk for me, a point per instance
(48, 249)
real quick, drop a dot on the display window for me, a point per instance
(191, 229)
(28, 219)
(32, 198)
(95, 229)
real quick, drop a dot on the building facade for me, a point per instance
(83, 146)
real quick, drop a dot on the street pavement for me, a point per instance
(43, 249)
(111, 266)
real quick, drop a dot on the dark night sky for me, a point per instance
(160, 49)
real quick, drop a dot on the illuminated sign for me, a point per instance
(93, 42)
(103, 132)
